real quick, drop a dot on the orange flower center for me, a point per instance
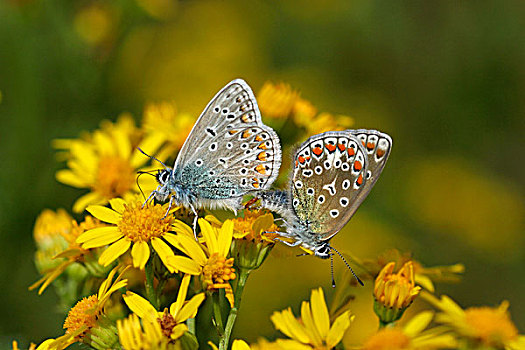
(115, 176)
(167, 323)
(142, 224)
(491, 325)
(396, 289)
(218, 271)
(84, 313)
(388, 339)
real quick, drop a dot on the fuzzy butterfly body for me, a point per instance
(333, 173)
(228, 154)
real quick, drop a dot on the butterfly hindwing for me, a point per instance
(328, 176)
(229, 151)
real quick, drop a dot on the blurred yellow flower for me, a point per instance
(84, 319)
(394, 292)
(162, 121)
(95, 23)
(313, 330)
(67, 256)
(105, 162)
(32, 346)
(412, 336)
(172, 320)
(479, 326)
(210, 262)
(133, 226)
(276, 100)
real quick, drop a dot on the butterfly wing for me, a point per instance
(229, 151)
(328, 177)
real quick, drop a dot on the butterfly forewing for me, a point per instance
(329, 174)
(229, 151)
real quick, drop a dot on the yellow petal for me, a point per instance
(96, 233)
(178, 331)
(209, 236)
(101, 240)
(338, 329)
(292, 345)
(103, 143)
(117, 204)
(183, 264)
(104, 214)
(320, 312)
(89, 198)
(306, 317)
(181, 296)
(193, 249)
(240, 345)
(418, 323)
(181, 227)
(70, 178)
(140, 306)
(164, 251)
(225, 238)
(189, 310)
(113, 252)
(286, 323)
(140, 254)
(122, 143)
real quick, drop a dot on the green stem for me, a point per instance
(151, 293)
(232, 316)
(190, 322)
(385, 324)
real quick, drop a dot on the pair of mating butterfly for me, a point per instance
(230, 153)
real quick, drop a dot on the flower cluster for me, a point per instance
(134, 275)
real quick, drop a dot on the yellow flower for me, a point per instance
(412, 336)
(68, 256)
(481, 326)
(276, 100)
(210, 262)
(133, 226)
(253, 235)
(134, 336)
(323, 122)
(86, 318)
(15, 346)
(171, 321)
(162, 121)
(105, 162)
(394, 292)
(313, 330)
(423, 275)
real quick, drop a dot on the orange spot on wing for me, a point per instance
(258, 138)
(245, 117)
(262, 146)
(380, 152)
(351, 151)
(262, 156)
(255, 183)
(296, 163)
(370, 146)
(260, 169)
(308, 158)
(330, 147)
(317, 151)
(301, 159)
(246, 134)
(341, 147)
(357, 165)
(360, 179)
(233, 132)
(363, 143)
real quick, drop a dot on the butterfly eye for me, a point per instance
(162, 176)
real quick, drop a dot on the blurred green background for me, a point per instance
(446, 79)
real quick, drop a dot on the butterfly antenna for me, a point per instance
(347, 265)
(332, 269)
(147, 155)
(137, 180)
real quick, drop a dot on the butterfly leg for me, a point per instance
(172, 198)
(294, 244)
(148, 199)
(196, 217)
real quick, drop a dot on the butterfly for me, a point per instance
(332, 175)
(228, 154)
